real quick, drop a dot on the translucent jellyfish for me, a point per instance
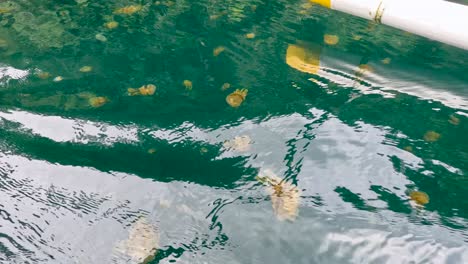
(386, 60)
(187, 84)
(236, 98)
(97, 101)
(151, 151)
(285, 197)
(86, 69)
(144, 90)
(58, 79)
(141, 245)
(420, 198)
(408, 148)
(357, 37)
(250, 35)
(218, 50)
(148, 89)
(331, 39)
(225, 86)
(101, 37)
(238, 143)
(454, 120)
(111, 24)
(43, 75)
(431, 136)
(128, 10)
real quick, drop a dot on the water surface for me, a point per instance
(354, 124)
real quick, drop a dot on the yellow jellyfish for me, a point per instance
(331, 39)
(111, 24)
(421, 198)
(357, 37)
(285, 197)
(58, 79)
(431, 136)
(86, 69)
(250, 35)
(454, 120)
(238, 143)
(203, 150)
(225, 86)
(236, 98)
(148, 89)
(218, 50)
(151, 151)
(128, 10)
(386, 60)
(305, 58)
(43, 75)
(142, 243)
(187, 84)
(408, 148)
(97, 101)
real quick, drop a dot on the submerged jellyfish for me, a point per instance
(454, 120)
(188, 84)
(97, 101)
(285, 197)
(43, 75)
(148, 89)
(218, 50)
(225, 86)
(236, 98)
(86, 69)
(331, 39)
(111, 24)
(128, 10)
(420, 198)
(238, 143)
(250, 35)
(386, 60)
(142, 243)
(431, 136)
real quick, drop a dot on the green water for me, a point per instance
(81, 160)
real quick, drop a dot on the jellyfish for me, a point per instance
(97, 101)
(331, 39)
(386, 60)
(218, 50)
(111, 24)
(285, 197)
(43, 75)
(454, 120)
(225, 86)
(431, 136)
(238, 143)
(86, 69)
(128, 10)
(420, 198)
(148, 89)
(250, 35)
(188, 84)
(142, 243)
(236, 98)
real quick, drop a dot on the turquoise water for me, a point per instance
(355, 120)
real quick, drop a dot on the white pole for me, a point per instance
(435, 19)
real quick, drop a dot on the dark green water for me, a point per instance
(75, 178)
